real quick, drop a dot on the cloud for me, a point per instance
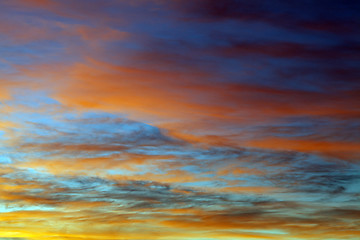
(319, 17)
(178, 120)
(123, 150)
(105, 87)
(109, 204)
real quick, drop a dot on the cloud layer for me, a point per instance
(179, 120)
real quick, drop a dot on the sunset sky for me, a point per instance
(179, 120)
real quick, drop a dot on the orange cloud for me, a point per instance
(344, 150)
(176, 95)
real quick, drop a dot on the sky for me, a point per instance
(179, 120)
